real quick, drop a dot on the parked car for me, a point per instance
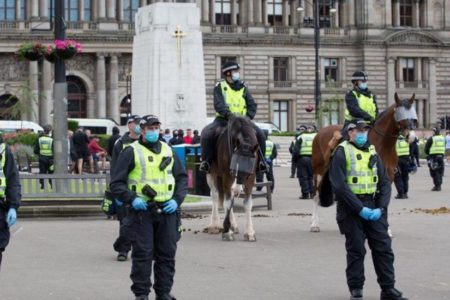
(12, 126)
(272, 128)
(97, 126)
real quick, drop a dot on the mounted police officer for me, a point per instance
(9, 195)
(402, 172)
(231, 97)
(435, 151)
(150, 178)
(44, 149)
(122, 245)
(302, 154)
(363, 191)
(270, 154)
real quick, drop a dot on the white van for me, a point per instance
(96, 126)
(13, 126)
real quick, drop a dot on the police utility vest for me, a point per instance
(147, 171)
(438, 146)
(366, 103)
(402, 147)
(234, 99)
(269, 148)
(306, 147)
(45, 146)
(360, 177)
(2, 167)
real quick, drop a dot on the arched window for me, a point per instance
(77, 98)
(130, 8)
(223, 12)
(275, 12)
(8, 10)
(6, 102)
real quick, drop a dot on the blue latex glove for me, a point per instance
(170, 206)
(11, 217)
(118, 202)
(139, 204)
(376, 214)
(269, 161)
(365, 213)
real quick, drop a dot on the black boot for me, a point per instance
(391, 294)
(207, 154)
(122, 256)
(165, 297)
(142, 297)
(356, 294)
(305, 196)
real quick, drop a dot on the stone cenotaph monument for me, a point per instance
(168, 70)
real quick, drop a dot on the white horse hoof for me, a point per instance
(390, 233)
(235, 230)
(250, 237)
(314, 229)
(227, 236)
(213, 230)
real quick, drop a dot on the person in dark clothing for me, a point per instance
(270, 155)
(401, 178)
(196, 138)
(302, 155)
(150, 177)
(112, 140)
(300, 130)
(122, 245)
(80, 143)
(177, 138)
(414, 150)
(44, 149)
(435, 151)
(363, 192)
(231, 97)
(10, 195)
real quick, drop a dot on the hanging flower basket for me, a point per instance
(67, 49)
(309, 108)
(50, 54)
(30, 51)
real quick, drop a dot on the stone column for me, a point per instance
(101, 87)
(94, 10)
(46, 97)
(285, 12)
(390, 81)
(18, 12)
(418, 71)
(433, 94)
(397, 13)
(447, 14)
(343, 75)
(142, 3)
(114, 103)
(101, 9)
(250, 19)
(111, 6)
(120, 10)
(294, 13)
(32, 108)
(43, 9)
(308, 7)
(416, 13)
(258, 12)
(335, 16)
(351, 12)
(420, 117)
(293, 69)
(388, 11)
(34, 9)
(265, 14)
(212, 12)
(234, 12)
(242, 13)
(81, 10)
(205, 11)
(400, 72)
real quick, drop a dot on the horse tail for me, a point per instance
(326, 195)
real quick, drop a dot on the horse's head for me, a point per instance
(405, 114)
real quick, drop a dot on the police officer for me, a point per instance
(402, 173)
(270, 155)
(299, 131)
(44, 149)
(9, 195)
(363, 191)
(150, 178)
(435, 151)
(231, 97)
(302, 154)
(122, 245)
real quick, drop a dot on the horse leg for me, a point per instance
(234, 225)
(249, 234)
(214, 226)
(315, 215)
(227, 234)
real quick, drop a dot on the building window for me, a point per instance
(324, 14)
(280, 71)
(72, 10)
(408, 69)
(8, 10)
(223, 12)
(77, 98)
(275, 12)
(331, 112)
(281, 114)
(225, 59)
(130, 8)
(330, 69)
(87, 10)
(406, 13)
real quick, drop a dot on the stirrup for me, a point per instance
(205, 167)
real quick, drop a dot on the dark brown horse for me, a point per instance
(399, 117)
(233, 173)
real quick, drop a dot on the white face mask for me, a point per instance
(235, 76)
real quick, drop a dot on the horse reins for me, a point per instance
(383, 134)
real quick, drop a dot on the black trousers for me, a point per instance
(4, 233)
(269, 175)
(414, 153)
(437, 173)
(154, 241)
(45, 162)
(122, 243)
(401, 179)
(356, 231)
(305, 175)
(293, 167)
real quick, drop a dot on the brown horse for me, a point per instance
(233, 172)
(398, 118)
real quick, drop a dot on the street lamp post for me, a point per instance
(128, 81)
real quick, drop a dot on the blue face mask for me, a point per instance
(137, 130)
(360, 139)
(363, 86)
(235, 76)
(152, 135)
